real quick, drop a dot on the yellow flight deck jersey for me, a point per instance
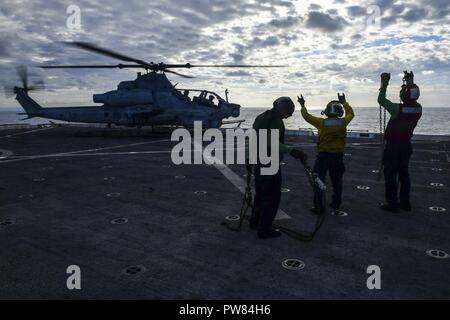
(332, 131)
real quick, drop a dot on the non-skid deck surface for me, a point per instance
(60, 188)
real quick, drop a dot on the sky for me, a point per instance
(326, 47)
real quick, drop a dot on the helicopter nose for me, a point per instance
(233, 110)
(236, 111)
(229, 109)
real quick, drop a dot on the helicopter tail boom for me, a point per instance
(31, 107)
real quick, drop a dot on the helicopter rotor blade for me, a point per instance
(164, 66)
(233, 66)
(8, 91)
(120, 66)
(107, 52)
(100, 66)
(141, 63)
(156, 67)
(179, 74)
(23, 75)
(38, 85)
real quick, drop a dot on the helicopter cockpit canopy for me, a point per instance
(204, 97)
(208, 99)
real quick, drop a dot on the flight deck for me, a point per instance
(139, 227)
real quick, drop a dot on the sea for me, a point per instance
(434, 121)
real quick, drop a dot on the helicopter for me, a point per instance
(149, 100)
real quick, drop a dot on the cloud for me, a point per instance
(335, 67)
(384, 3)
(263, 43)
(299, 74)
(415, 14)
(319, 40)
(337, 46)
(398, 8)
(287, 22)
(243, 49)
(239, 73)
(4, 46)
(314, 6)
(356, 11)
(237, 57)
(324, 22)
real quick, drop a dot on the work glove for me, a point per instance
(409, 77)
(341, 98)
(298, 154)
(385, 77)
(301, 100)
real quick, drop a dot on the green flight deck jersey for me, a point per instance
(270, 120)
